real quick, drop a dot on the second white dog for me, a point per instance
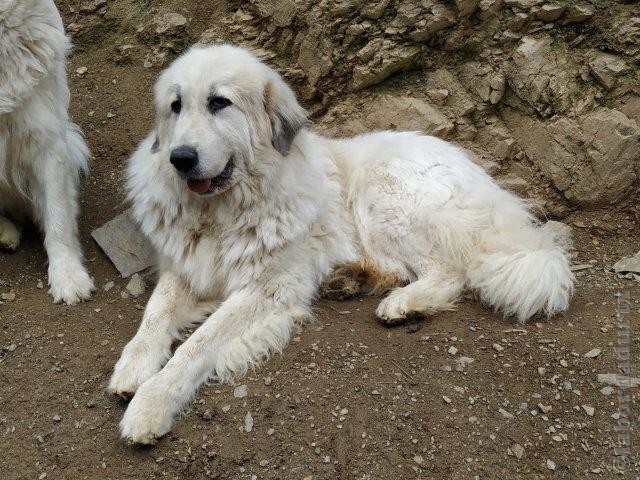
(250, 211)
(41, 151)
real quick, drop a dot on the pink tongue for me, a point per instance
(199, 186)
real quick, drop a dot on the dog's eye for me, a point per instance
(176, 106)
(218, 103)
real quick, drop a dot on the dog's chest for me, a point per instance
(213, 260)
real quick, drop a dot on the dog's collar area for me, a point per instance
(203, 186)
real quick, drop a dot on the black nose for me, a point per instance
(184, 158)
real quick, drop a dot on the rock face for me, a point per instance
(544, 91)
(592, 160)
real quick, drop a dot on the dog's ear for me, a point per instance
(285, 113)
(162, 95)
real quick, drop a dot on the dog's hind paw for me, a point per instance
(9, 235)
(70, 284)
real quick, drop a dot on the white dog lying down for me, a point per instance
(250, 211)
(41, 151)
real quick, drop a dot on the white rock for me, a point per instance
(551, 465)
(452, 350)
(593, 353)
(81, 70)
(248, 422)
(589, 410)
(517, 450)
(136, 285)
(240, 391)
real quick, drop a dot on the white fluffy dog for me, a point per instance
(41, 151)
(250, 211)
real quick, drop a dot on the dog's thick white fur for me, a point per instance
(41, 151)
(260, 240)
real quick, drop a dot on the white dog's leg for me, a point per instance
(436, 290)
(246, 328)
(9, 234)
(171, 308)
(56, 207)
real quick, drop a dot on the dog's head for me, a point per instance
(218, 110)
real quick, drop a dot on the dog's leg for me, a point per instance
(171, 308)
(437, 290)
(246, 328)
(9, 234)
(56, 209)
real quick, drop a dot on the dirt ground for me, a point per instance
(347, 399)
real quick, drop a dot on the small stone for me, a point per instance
(452, 350)
(110, 115)
(270, 432)
(11, 348)
(268, 381)
(517, 450)
(8, 297)
(108, 286)
(589, 410)
(504, 413)
(240, 391)
(446, 399)
(497, 347)
(40, 285)
(136, 285)
(593, 353)
(226, 408)
(542, 371)
(248, 422)
(104, 343)
(207, 415)
(551, 465)
(56, 418)
(418, 459)
(608, 390)
(264, 463)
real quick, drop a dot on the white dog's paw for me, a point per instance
(394, 308)
(70, 283)
(9, 235)
(138, 363)
(149, 415)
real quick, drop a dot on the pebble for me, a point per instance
(504, 413)
(497, 347)
(110, 115)
(240, 391)
(593, 353)
(11, 348)
(248, 422)
(418, 459)
(82, 70)
(8, 297)
(446, 399)
(56, 418)
(270, 432)
(608, 390)
(551, 465)
(108, 286)
(264, 463)
(268, 381)
(136, 285)
(518, 450)
(589, 410)
(226, 408)
(452, 350)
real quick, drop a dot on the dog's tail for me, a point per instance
(523, 270)
(77, 149)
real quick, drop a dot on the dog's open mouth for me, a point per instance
(210, 185)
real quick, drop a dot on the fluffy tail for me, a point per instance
(523, 275)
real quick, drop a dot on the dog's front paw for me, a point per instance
(138, 363)
(149, 415)
(9, 235)
(70, 283)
